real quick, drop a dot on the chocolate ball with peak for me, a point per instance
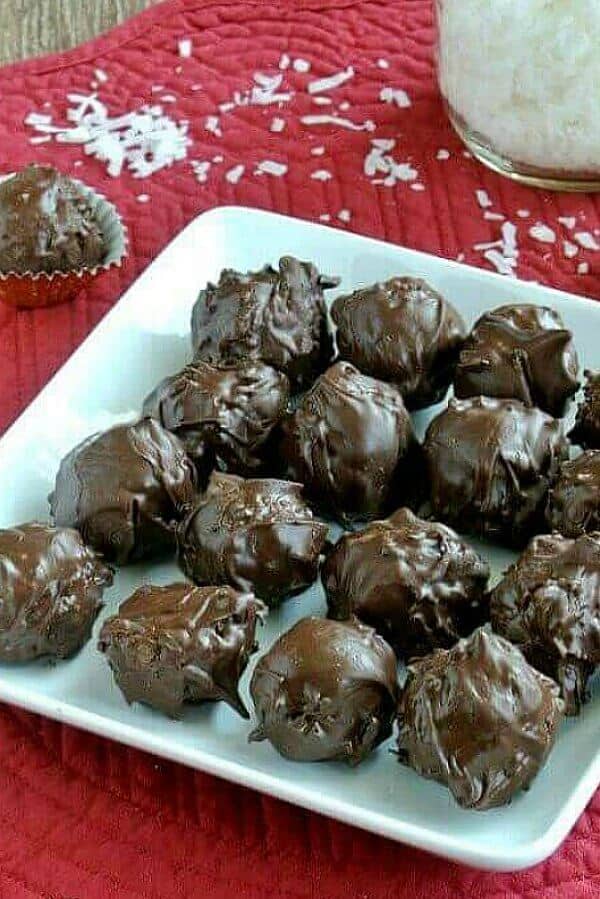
(586, 431)
(479, 719)
(416, 582)
(404, 332)
(223, 414)
(276, 315)
(350, 441)
(176, 644)
(574, 501)
(521, 351)
(125, 489)
(491, 463)
(47, 224)
(548, 604)
(325, 690)
(257, 534)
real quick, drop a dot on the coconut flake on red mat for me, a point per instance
(277, 125)
(383, 64)
(321, 175)
(301, 65)
(322, 101)
(542, 233)
(583, 268)
(483, 198)
(284, 62)
(100, 75)
(325, 217)
(40, 139)
(227, 106)
(502, 253)
(184, 48)
(201, 168)
(234, 174)
(271, 167)
(586, 240)
(213, 125)
(367, 125)
(493, 216)
(395, 95)
(567, 221)
(442, 154)
(168, 98)
(523, 213)
(379, 161)
(322, 85)
(143, 198)
(317, 151)
(570, 249)
(344, 215)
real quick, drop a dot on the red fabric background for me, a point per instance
(87, 818)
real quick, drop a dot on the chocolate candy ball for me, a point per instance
(352, 444)
(404, 332)
(587, 424)
(479, 719)
(124, 490)
(521, 351)
(491, 463)
(574, 500)
(416, 582)
(548, 603)
(325, 690)
(51, 588)
(176, 644)
(277, 316)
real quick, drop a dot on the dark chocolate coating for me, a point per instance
(574, 501)
(170, 645)
(479, 719)
(352, 444)
(223, 414)
(416, 582)
(51, 587)
(520, 351)
(325, 690)
(548, 603)
(491, 463)
(125, 490)
(277, 316)
(46, 224)
(258, 535)
(586, 432)
(404, 332)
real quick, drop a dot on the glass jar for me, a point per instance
(521, 81)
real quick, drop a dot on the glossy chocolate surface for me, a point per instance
(352, 444)
(259, 535)
(124, 489)
(404, 332)
(223, 414)
(520, 351)
(548, 603)
(46, 224)
(325, 690)
(491, 463)
(416, 582)
(278, 316)
(479, 719)
(586, 432)
(574, 501)
(51, 588)
(179, 643)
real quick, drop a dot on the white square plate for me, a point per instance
(144, 338)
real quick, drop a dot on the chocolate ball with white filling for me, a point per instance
(326, 690)
(351, 442)
(418, 583)
(276, 315)
(586, 432)
(125, 490)
(574, 501)
(179, 644)
(548, 604)
(402, 331)
(479, 719)
(257, 534)
(491, 463)
(521, 351)
(223, 414)
(51, 587)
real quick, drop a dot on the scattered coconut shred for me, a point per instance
(503, 253)
(378, 161)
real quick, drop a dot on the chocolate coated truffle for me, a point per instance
(490, 465)
(180, 643)
(352, 444)
(258, 535)
(47, 224)
(325, 690)
(574, 501)
(404, 332)
(125, 489)
(416, 582)
(223, 414)
(587, 424)
(520, 351)
(548, 603)
(277, 316)
(51, 588)
(479, 719)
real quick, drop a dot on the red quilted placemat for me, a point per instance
(84, 817)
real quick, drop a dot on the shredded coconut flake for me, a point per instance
(284, 62)
(212, 125)
(185, 48)
(226, 107)
(383, 64)
(523, 213)
(344, 215)
(542, 233)
(570, 249)
(321, 175)
(234, 174)
(322, 101)
(502, 254)
(168, 98)
(493, 216)
(367, 125)
(583, 268)
(325, 217)
(157, 88)
(317, 151)
(586, 240)
(277, 125)
(395, 95)
(201, 169)
(217, 158)
(100, 76)
(196, 87)
(270, 167)
(40, 139)
(301, 65)
(442, 154)
(483, 199)
(417, 186)
(322, 85)
(502, 265)
(460, 257)
(567, 221)
(143, 198)
(344, 107)
(378, 161)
